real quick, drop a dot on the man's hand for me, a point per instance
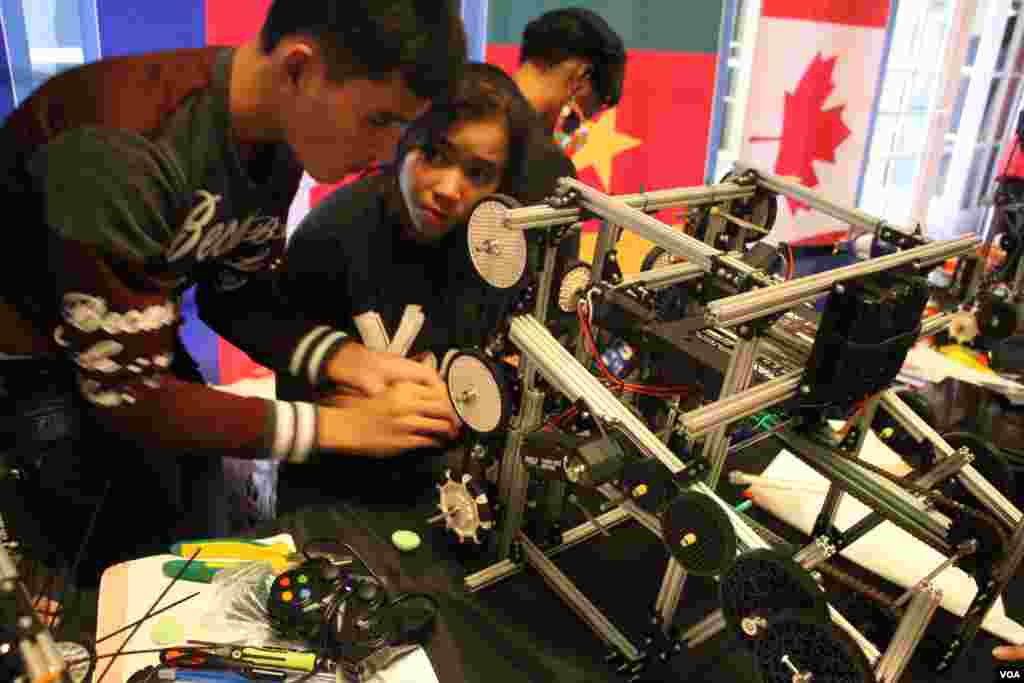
(404, 416)
(357, 370)
(1010, 653)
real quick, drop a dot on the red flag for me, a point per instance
(817, 66)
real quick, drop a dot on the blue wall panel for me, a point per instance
(132, 27)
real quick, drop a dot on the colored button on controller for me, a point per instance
(285, 582)
(287, 596)
(303, 578)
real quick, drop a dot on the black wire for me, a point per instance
(327, 539)
(147, 615)
(409, 596)
(71, 572)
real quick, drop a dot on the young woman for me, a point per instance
(387, 254)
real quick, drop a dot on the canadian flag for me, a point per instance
(815, 73)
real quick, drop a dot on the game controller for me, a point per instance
(299, 596)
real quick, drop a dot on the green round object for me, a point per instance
(167, 630)
(405, 540)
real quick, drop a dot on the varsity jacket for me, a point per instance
(130, 189)
(349, 267)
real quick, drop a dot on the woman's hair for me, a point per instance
(483, 93)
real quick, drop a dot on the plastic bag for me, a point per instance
(238, 611)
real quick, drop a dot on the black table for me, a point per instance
(519, 629)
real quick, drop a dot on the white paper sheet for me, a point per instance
(924, 363)
(888, 551)
(133, 586)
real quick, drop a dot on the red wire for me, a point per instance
(791, 265)
(661, 391)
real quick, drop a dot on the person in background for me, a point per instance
(571, 68)
(571, 58)
(135, 178)
(392, 251)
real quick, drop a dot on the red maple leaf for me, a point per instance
(809, 132)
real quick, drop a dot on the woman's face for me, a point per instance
(440, 184)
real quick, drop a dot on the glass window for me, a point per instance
(894, 90)
(730, 81)
(738, 23)
(940, 181)
(1004, 48)
(727, 124)
(912, 135)
(921, 93)
(986, 118)
(958, 104)
(1009, 102)
(910, 88)
(973, 176)
(989, 168)
(46, 37)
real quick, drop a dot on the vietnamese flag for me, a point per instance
(657, 136)
(816, 71)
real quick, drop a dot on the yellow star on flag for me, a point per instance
(603, 144)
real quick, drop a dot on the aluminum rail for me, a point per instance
(544, 216)
(700, 421)
(814, 199)
(758, 303)
(665, 276)
(574, 381)
(648, 227)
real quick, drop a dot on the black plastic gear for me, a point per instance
(646, 480)
(698, 534)
(761, 209)
(997, 319)
(763, 584)
(812, 646)
(670, 302)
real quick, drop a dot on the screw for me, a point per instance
(840, 289)
(805, 389)
(751, 625)
(798, 676)
(489, 246)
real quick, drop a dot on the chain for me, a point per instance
(856, 584)
(939, 500)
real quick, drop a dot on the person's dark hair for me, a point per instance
(424, 40)
(484, 92)
(561, 34)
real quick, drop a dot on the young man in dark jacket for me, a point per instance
(135, 178)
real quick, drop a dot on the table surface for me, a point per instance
(520, 630)
(521, 625)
